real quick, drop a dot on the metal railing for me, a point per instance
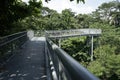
(64, 67)
(74, 32)
(11, 42)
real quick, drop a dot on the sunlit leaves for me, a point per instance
(96, 68)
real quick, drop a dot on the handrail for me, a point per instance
(11, 40)
(9, 43)
(12, 34)
(66, 65)
(8, 38)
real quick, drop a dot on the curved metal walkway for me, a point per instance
(28, 63)
(73, 33)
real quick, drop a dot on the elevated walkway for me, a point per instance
(28, 63)
(39, 58)
(73, 33)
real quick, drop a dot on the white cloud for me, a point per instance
(83, 10)
(66, 4)
(59, 5)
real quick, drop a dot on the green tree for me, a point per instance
(77, 48)
(84, 20)
(11, 11)
(68, 19)
(108, 12)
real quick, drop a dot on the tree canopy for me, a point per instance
(16, 16)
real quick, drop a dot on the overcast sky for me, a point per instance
(88, 7)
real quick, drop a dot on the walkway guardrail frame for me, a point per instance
(9, 43)
(64, 66)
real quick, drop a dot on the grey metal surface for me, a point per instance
(28, 63)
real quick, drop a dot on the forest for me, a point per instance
(16, 16)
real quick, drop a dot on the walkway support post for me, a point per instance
(59, 43)
(92, 48)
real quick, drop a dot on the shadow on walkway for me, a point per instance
(28, 63)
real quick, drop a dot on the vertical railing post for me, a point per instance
(30, 34)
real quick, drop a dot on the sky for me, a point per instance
(81, 8)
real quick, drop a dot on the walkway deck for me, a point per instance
(28, 63)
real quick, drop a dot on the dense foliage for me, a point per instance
(13, 11)
(16, 15)
(106, 52)
(106, 47)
